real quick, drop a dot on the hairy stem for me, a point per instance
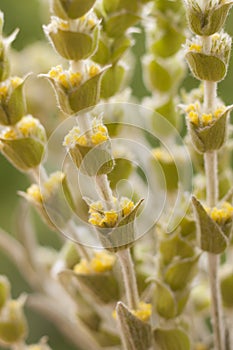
(129, 277)
(124, 256)
(211, 166)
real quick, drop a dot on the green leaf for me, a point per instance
(112, 81)
(135, 334)
(206, 67)
(174, 246)
(209, 138)
(86, 95)
(165, 301)
(120, 46)
(102, 55)
(211, 237)
(226, 289)
(160, 78)
(169, 43)
(24, 154)
(118, 24)
(171, 339)
(74, 45)
(123, 235)
(181, 272)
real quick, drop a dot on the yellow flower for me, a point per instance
(206, 119)
(143, 312)
(221, 215)
(35, 194)
(195, 47)
(127, 206)
(193, 117)
(110, 218)
(100, 263)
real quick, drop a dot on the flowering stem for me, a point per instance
(104, 190)
(124, 256)
(129, 277)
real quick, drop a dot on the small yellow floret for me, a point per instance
(93, 71)
(219, 112)
(127, 206)
(75, 79)
(206, 119)
(193, 117)
(3, 91)
(27, 125)
(102, 262)
(15, 82)
(221, 215)
(81, 140)
(34, 192)
(215, 37)
(64, 25)
(96, 206)
(143, 312)
(9, 134)
(195, 47)
(96, 219)
(64, 80)
(98, 138)
(83, 267)
(110, 218)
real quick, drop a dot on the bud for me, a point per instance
(74, 42)
(52, 199)
(77, 90)
(115, 227)
(212, 66)
(91, 152)
(71, 9)
(13, 324)
(23, 144)
(172, 338)
(206, 22)
(12, 101)
(207, 130)
(4, 291)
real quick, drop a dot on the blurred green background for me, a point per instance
(28, 16)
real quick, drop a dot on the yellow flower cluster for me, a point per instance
(69, 79)
(101, 218)
(203, 119)
(28, 126)
(8, 86)
(143, 312)
(97, 135)
(195, 47)
(84, 24)
(101, 262)
(38, 194)
(221, 215)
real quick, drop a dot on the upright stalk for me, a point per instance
(129, 277)
(124, 256)
(211, 170)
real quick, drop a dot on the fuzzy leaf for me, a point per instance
(74, 45)
(210, 138)
(211, 237)
(112, 81)
(171, 339)
(181, 272)
(175, 246)
(102, 286)
(159, 77)
(72, 9)
(118, 24)
(226, 289)
(165, 301)
(87, 95)
(123, 235)
(206, 67)
(136, 334)
(24, 153)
